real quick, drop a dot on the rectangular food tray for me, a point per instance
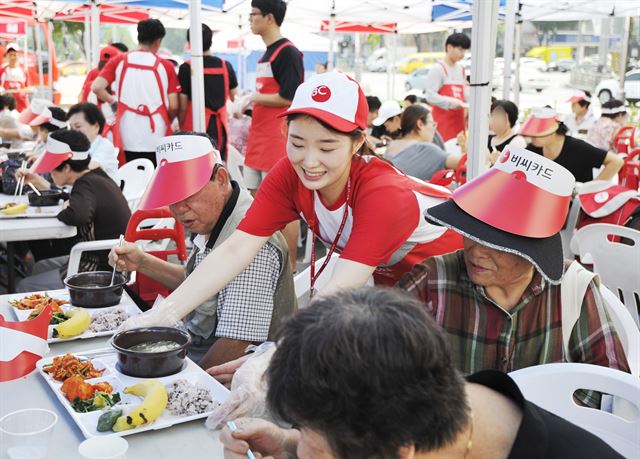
(126, 303)
(106, 358)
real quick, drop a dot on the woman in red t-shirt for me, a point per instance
(359, 205)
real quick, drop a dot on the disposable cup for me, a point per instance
(109, 447)
(26, 434)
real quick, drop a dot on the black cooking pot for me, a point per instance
(93, 289)
(150, 364)
(47, 198)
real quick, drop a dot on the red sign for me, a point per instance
(13, 29)
(368, 27)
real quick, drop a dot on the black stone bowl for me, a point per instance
(93, 289)
(48, 198)
(150, 364)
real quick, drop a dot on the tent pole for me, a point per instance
(509, 32)
(624, 52)
(358, 57)
(197, 76)
(86, 38)
(483, 45)
(39, 54)
(394, 55)
(50, 50)
(516, 52)
(604, 41)
(332, 39)
(95, 33)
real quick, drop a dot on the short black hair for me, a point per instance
(276, 7)
(412, 98)
(57, 113)
(370, 370)
(149, 30)
(207, 37)
(7, 101)
(612, 104)
(509, 108)
(458, 39)
(121, 46)
(91, 113)
(585, 103)
(374, 103)
(77, 141)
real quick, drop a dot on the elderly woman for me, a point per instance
(603, 132)
(367, 374)
(500, 297)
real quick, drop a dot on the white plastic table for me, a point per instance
(183, 441)
(28, 229)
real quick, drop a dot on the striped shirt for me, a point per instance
(482, 335)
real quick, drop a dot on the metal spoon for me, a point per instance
(113, 274)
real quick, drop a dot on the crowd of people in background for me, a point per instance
(472, 291)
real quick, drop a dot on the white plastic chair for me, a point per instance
(136, 175)
(552, 386)
(451, 146)
(617, 264)
(624, 325)
(88, 246)
(568, 231)
(234, 163)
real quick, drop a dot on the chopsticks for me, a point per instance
(35, 190)
(20, 183)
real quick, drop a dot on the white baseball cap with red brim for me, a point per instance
(334, 98)
(185, 163)
(542, 122)
(55, 153)
(518, 206)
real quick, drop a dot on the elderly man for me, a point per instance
(500, 298)
(250, 308)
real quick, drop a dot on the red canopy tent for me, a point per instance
(109, 14)
(367, 27)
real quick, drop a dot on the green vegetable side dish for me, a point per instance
(58, 318)
(107, 420)
(97, 402)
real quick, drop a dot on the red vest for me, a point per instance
(222, 119)
(450, 122)
(141, 109)
(268, 134)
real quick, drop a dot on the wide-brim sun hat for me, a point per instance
(542, 122)
(333, 98)
(185, 164)
(519, 206)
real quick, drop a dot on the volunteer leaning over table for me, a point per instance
(248, 309)
(359, 205)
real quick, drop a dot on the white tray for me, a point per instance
(35, 212)
(107, 358)
(126, 303)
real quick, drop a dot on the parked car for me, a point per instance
(587, 76)
(610, 88)
(531, 74)
(561, 65)
(73, 68)
(417, 79)
(418, 60)
(377, 62)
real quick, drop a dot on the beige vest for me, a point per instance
(203, 321)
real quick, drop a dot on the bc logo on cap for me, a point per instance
(321, 94)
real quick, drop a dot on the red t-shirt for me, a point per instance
(385, 227)
(86, 87)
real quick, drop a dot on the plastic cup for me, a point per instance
(27, 433)
(108, 447)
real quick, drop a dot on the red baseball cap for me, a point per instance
(108, 52)
(578, 96)
(334, 99)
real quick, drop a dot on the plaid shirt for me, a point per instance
(482, 335)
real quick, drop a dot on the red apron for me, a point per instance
(14, 86)
(267, 136)
(141, 109)
(222, 119)
(450, 122)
